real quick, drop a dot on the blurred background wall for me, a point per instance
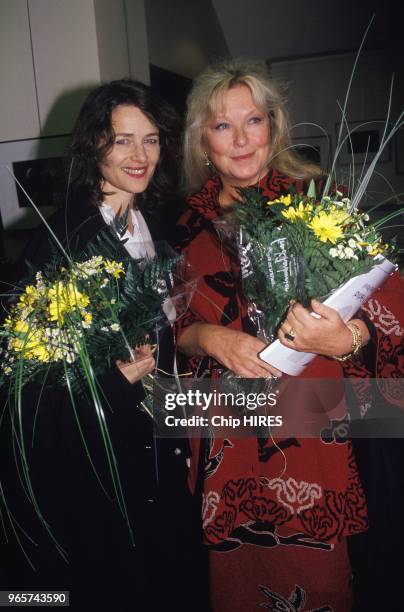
(53, 51)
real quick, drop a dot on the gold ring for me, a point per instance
(290, 335)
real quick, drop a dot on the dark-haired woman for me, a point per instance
(122, 158)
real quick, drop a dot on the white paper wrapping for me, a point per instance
(347, 300)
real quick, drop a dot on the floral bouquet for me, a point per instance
(91, 313)
(297, 248)
(73, 320)
(84, 313)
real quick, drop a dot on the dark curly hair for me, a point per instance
(93, 137)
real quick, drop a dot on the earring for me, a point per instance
(208, 163)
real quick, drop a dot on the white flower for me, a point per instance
(89, 268)
(161, 286)
(114, 327)
(113, 301)
(348, 253)
(366, 217)
(352, 243)
(105, 329)
(70, 357)
(40, 285)
(333, 252)
(339, 193)
(346, 201)
(52, 332)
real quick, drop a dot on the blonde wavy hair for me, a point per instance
(203, 102)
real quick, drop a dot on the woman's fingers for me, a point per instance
(234, 349)
(325, 312)
(254, 369)
(136, 370)
(238, 352)
(325, 333)
(143, 351)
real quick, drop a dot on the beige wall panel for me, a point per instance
(184, 36)
(65, 53)
(138, 46)
(111, 37)
(18, 108)
(314, 87)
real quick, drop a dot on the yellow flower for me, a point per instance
(301, 212)
(40, 353)
(87, 319)
(340, 216)
(285, 200)
(376, 249)
(21, 326)
(28, 298)
(326, 227)
(65, 298)
(29, 342)
(114, 267)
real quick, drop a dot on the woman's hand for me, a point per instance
(143, 364)
(326, 334)
(234, 349)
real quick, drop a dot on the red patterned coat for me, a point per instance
(319, 494)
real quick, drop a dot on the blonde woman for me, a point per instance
(270, 534)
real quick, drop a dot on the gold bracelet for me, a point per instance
(357, 343)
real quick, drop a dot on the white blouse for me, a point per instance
(139, 245)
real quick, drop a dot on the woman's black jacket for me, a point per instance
(105, 570)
